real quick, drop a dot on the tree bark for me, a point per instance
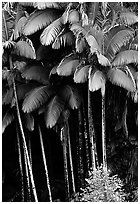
(91, 133)
(66, 175)
(45, 164)
(23, 135)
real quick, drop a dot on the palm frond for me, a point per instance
(80, 44)
(77, 29)
(19, 27)
(71, 96)
(96, 80)
(92, 9)
(68, 65)
(63, 39)
(94, 46)
(19, 65)
(44, 5)
(40, 19)
(103, 60)
(115, 39)
(53, 112)
(35, 98)
(127, 18)
(125, 57)
(24, 49)
(7, 98)
(29, 121)
(37, 73)
(7, 119)
(120, 78)
(8, 23)
(51, 32)
(81, 74)
(26, 3)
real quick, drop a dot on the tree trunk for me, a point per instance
(91, 133)
(20, 166)
(104, 133)
(30, 148)
(23, 136)
(86, 143)
(80, 145)
(124, 120)
(45, 164)
(70, 157)
(66, 175)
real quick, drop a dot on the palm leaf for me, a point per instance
(19, 27)
(53, 112)
(77, 29)
(71, 96)
(116, 38)
(29, 121)
(119, 78)
(80, 44)
(126, 57)
(19, 65)
(7, 119)
(68, 65)
(39, 19)
(26, 3)
(92, 9)
(96, 80)
(44, 5)
(35, 98)
(7, 98)
(81, 74)
(128, 18)
(103, 60)
(36, 72)
(94, 46)
(25, 49)
(64, 39)
(51, 32)
(8, 23)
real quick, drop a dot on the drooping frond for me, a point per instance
(134, 43)
(125, 57)
(26, 3)
(35, 98)
(81, 74)
(19, 27)
(64, 39)
(25, 49)
(115, 39)
(51, 32)
(96, 80)
(36, 72)
(78, 29)
(94, 46)
(8, 23)
(40, 19)
(92, 9)
(7, 98)
(127, 18)
(71, 96)
(53, 112)
(44, 5)
(29, 121)
(7, 119)
(103, 60)
(80, 44)
(68, 65)
(120, 78)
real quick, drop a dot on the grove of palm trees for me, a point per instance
(70, 101)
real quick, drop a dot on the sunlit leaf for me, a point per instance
(19, 27)
(44, 5)
(128, 18)
(94, 46)
(96, 80)
(29, 121)
(103, 60)
(81, 74)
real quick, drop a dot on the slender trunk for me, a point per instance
(20, 166)
(23, 136)
(91, 133)
(80, 159)
(45, 164)
(30, 149)
(86, 143)
(104, 133)
(66, 175)
(124, 121)
(70, 157)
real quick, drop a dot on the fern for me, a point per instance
(119, 78)
(39, 19)
(36, 72)
(35, 98)
(126, 57)
(7, 120)
(81, 74)
(51, 32)
(53, 112)
(71, 96)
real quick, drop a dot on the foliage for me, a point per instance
(101, 187)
